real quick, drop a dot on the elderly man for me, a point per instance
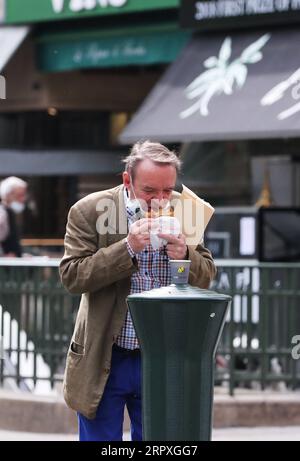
(105, 262)
(13, 193)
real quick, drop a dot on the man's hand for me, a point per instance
(139, 235)
(176, 247)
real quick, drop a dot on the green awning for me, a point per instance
(143, 45)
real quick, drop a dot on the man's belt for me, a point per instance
(123, 350)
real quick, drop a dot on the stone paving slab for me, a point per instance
(230, 434)
(49, 414)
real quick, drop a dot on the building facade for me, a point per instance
(75, 74)
(84, 74)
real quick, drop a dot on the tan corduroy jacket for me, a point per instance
(98, 266)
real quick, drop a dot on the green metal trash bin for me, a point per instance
(178, 327)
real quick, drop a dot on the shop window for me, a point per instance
(55, 129)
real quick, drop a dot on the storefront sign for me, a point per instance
(215, 14)
(45, 10)
(81, 5)
(160, 45)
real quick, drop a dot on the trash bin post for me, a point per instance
(178, 327)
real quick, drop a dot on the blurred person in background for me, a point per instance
(13, 194)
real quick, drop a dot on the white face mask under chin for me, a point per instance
(17, 207)
(134, 204)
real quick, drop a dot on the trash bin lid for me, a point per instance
(180, 292)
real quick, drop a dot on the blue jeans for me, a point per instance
(123, 388)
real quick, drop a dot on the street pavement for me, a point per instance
(291, 433)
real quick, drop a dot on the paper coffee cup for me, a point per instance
(180, 269)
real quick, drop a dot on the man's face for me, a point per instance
(152, 182)
(18, 195)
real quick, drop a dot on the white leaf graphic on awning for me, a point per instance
(280, 90)
(221, 75)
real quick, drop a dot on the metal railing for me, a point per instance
(37, 317)
(36, 322)
(255, 350)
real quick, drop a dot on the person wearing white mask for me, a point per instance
(13, 192)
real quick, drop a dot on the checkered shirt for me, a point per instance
(153, 272)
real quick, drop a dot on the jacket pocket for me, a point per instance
(76, 349)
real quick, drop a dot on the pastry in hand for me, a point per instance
(160, 212)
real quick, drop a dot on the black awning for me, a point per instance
(226, 87)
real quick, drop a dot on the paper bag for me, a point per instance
(194, 214)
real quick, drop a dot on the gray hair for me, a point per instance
(153, 151)
(10, 184)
